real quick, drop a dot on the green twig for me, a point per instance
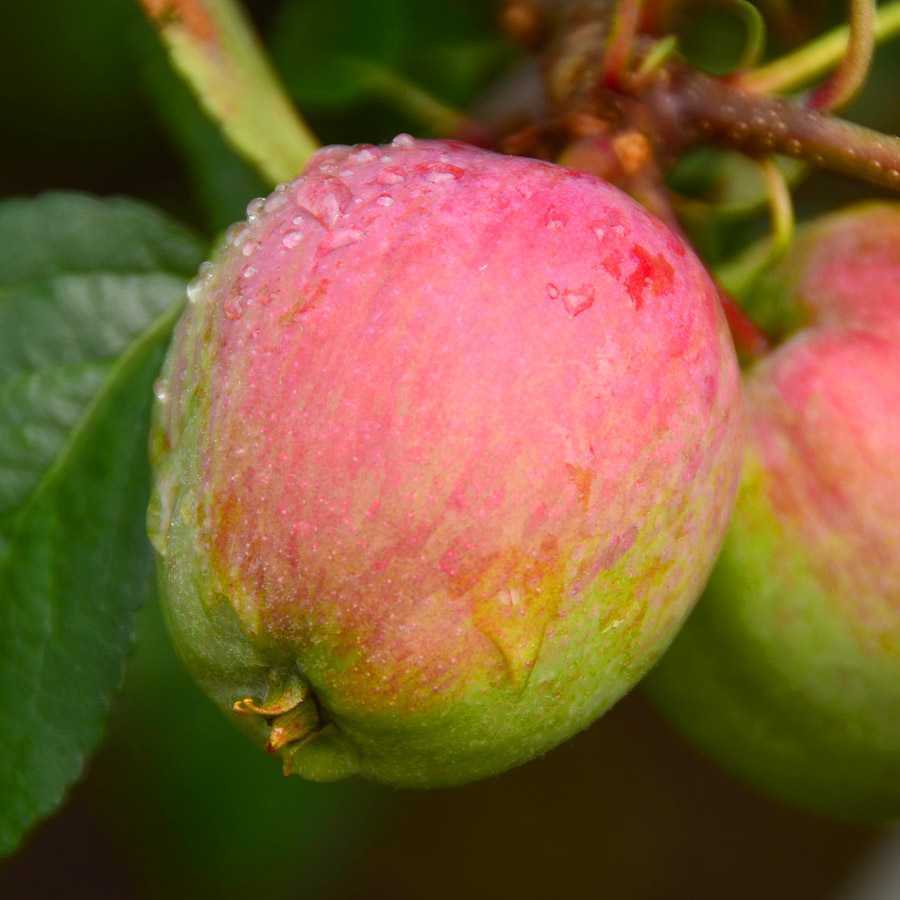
(848, 78)
(816, 58)
(781, 204)
(756, 33)
(621, 40)
(213, 47)
(432, 114)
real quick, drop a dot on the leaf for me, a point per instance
(89, 291)
(223, 183)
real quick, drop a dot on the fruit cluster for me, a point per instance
(448, 442)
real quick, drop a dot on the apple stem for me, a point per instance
(214, 48)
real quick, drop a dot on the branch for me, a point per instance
(689, 108)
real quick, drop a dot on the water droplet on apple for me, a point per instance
(443, 173)
(235, 234)
(390, 175)
(195, 287)
(578, 300)
(325, 199)
(255, 208)
(363, 153)
(384, 200)
(291, 239)
(404, 140)
(275, 201)
(342, 238)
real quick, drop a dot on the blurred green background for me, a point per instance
(177, 803)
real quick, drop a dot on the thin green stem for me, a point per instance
(214, 48)
(756, 33)
(848, 78)
(432, 114)
(781, 204)
(658, 55)
(816, 58)
(621, 40)
(736, 274)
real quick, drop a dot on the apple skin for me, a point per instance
(446, 443)
(788, 671)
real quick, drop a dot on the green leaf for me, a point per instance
(223, 183)
(89, 292)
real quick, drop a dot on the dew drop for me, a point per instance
(384, 200)
(793, 147)
(255, 208)
(250, 247)
(404, 140)
(445, 172)
(249, 272)
(390, 175)
(195, 288)
(161, 389)
(325, 198)
(275, 201)
(291, 239)
(578, 300)
(343, 238)
(893, 176)
(234, 234)
(363, 153)
(552, 291)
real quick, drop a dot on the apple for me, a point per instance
(445, 447)
(788, 671)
